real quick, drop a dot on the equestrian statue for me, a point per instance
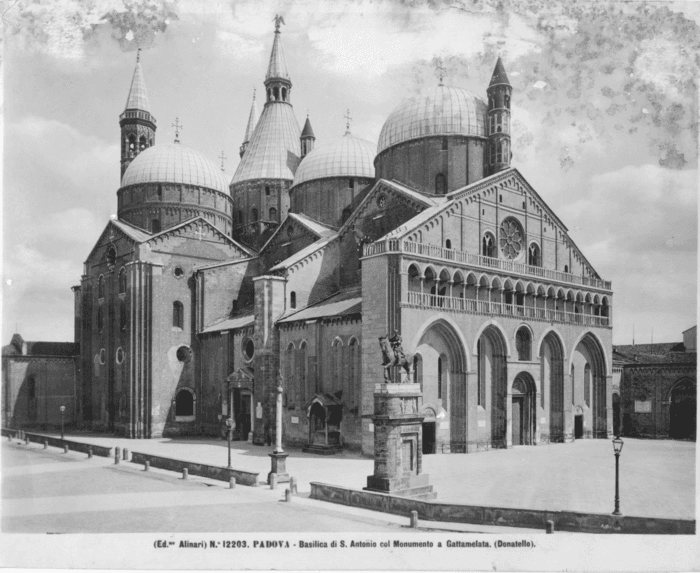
(393, 355)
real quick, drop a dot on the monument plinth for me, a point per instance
(398, 442)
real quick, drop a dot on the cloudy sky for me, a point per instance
(604, 119)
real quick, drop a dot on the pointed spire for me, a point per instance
(250, 128)
(278, 65)
(308, 130)
(138, 96)
(499, 74)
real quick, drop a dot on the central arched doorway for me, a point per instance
(552, 376)
(523, 410)
(683, 414)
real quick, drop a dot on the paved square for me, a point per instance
(657, 477)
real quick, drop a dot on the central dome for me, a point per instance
(443, 111)
(349, 156)
(175, 163)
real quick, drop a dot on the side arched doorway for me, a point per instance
(492, 389)
(588, 387)
(552, 376)
(683, 414)
(523, 410)
(616, 414)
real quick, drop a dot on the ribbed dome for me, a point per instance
(442, 111)
(349, 156)
(175, 163)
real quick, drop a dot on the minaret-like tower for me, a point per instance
(250, 128)
(499, 91)
(138, 126)
(307, 138)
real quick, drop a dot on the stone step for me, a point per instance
(415, 492)
(322, 450)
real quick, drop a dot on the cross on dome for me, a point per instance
(347, 121)
(223, 158)
(177, 127)
(440, 69)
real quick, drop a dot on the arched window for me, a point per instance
(273, 214)
(267, 190)
(160, 192)
(604, 308)
(284, 94)
(122, 280)
(178, 314)
(346, 214)
(587, 384)
(276, 93)
(506, 101)
(440, 184)
(523, 343)
(100, 319)
(418, 370)
(255, 215)
(499, 152)
(155, 226)
(439, 377)
(142, 143)
(240, 217)
(444, 144)
(293, 299)
(337, 372)
(289, 375)
(132, 145)
(354, 372)
(101, 287)
(184, 404)
(269, 94)
(301, 367)
(573, 384)
(111, 255)
(448, 244)
(533, 256)
(488, 246)
(566, 268)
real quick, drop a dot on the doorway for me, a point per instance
(683, 413)
(243, 421)
(578, 426)
(518, 403)
(429, 441)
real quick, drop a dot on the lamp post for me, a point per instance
(617, 447)
(63, 409)
(230, 424)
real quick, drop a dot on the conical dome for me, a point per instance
(442, 111)
(349, 156)
(138, 95)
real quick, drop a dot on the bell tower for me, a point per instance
(498, 152)
(138, 126)
(278, 84)
(307, 138)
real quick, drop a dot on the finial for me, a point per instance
(222, 157)
(254, 91)
(138, 55)
(440, 69)
(177, 127)
(278, 20)
(347, 121)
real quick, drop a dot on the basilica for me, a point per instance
(208, 291)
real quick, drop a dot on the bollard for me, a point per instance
(287, 495)
(549, 526)
(185, 473)
(125, 455)
(116, 456)
(293, 485)
(146, 466)
(46, 444)
(65, 448)
(9, 437)
(26, 441)
(272, 478)
(232, 483)
(414, 519)
(89, 453)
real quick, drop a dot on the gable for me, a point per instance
(122, 237)
(295, 235)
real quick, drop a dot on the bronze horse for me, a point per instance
(391, 360)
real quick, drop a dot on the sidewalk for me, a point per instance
(657, 477)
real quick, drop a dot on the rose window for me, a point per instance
(511, 238)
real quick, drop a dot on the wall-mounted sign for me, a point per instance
(371, 427)
(295, 420)
(642, 407)
(444, 425)
(258, 411)
(482, 423)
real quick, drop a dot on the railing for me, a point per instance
(435, 252)
(486, 307)
(137, 115)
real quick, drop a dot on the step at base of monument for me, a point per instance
(424, 492)
(322, 450)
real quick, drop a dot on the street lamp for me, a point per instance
(63, 409)
(617, 446)
(230, 424)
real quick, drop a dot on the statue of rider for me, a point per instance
(396, 345)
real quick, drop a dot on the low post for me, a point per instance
(272, 479)
(26, 441)
(126, 455)
(117, 453)
(9, 437)
(414, 519)
(293, 485)
(287, 495)
(89, 453)
(549, 526)
(232, 483)
(63, 410)
(65, 448)
(46, 444)
(146, 466)
(185, 473)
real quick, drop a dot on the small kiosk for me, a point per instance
(325, 414)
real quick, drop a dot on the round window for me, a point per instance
(290, 230)
(120, 355)
(178, 272)
(381, 201)
(184, 354)
(511, 238)
(248, 348)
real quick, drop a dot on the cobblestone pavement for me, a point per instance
(47, 491)
(657, 477)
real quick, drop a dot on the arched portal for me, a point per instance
(552, 393)
(492, 382)
(524, 413)
(443, 367)
(683, 416)
(588, 361)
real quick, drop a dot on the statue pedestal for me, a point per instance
(279, 467)
(398, 442)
